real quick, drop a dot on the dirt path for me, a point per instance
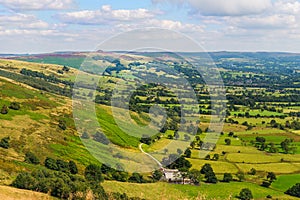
(140, 147)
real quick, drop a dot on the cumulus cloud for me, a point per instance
(224, 7)
(105, 15)
(37, 4)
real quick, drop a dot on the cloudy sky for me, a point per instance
(35, 26)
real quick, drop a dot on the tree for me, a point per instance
(227, 177)
(207, 157)
(24, 181)
(227, 141)
(136, 178)
(195, 176)
(4, 110)
(31, 158)
(230, 134)
(294, 190)
(179, 151)
(93, 173)
(4, 143)
(50, 163)
(157, 174)
(176, 135)
(252, 171)
(188, 153)
(216, 156)
(100, 137)
(245, 194)
(62, 165)
(73, 167)
(241, 176)
(209, 173)
(271, 176)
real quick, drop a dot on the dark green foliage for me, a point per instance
(157, 174)
(15, 106)
(294, 190)
(266, 184)
(179, 162)
(73, 167)
(227, 177)
(195, 176)
(4, 110)
(241, 176)
(146, 139)
(100, 137)
(4, 143)
(136, 178)
(93, 173)
(188, 153)
(216, 157)
(62, 124)
(50, 163)
(252, 171)
(24, 181)
(227, 141)
(245, 194)
(271, 176)
(62, 165)
(31, 158)
(58, 184)
(209, 173)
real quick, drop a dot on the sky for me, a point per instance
(35, 26)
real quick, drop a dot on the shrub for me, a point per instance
(227, 177)
(73, 167)
(24, 181)
(15, 106)
(4, 110)
(4, 143)
(50, 163)
(31, 158)
(93, 173)
(294, 190)
(245, 194)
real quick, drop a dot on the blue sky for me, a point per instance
(34, 26)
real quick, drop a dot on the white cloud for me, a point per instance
(266, 22)
(224, 7)
(37, 4)
(22, 21)
(105, 15)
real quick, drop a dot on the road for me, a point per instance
(140, 147)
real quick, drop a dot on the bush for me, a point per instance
(31, 158)
(227, 177)
(62, 124)
(15, 106)
(93, 173)
(4, 110)
(245, 194)
(4, 143)
(50, 163)
(24, 181)
(73, 167)
(266, 184)
(294, 190)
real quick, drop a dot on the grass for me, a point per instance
(284, 182)
(10, 193)
(176, 192)
(278, 168)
